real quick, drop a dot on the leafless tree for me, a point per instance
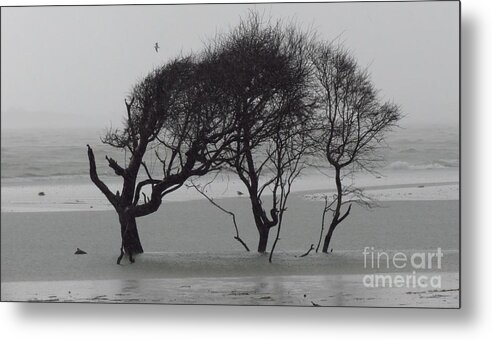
(179, 113)
(353, 121)
(286, 152)
(265, 72)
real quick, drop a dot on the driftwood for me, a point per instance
(230, 213)
(307, 253)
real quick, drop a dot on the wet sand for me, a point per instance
(191, 244)
(305, 290)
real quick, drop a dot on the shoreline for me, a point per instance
(291, 290)
(442, 184)
(239, 264)
(191, 256)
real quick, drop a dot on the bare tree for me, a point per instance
(265, 73)
(287, 151)
(177, 111)
(353, 122)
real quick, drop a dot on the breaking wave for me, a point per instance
(437, 164)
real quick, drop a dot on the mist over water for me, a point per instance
(63, 153)
(48, 153)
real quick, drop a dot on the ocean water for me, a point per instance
(422, 148)
(36, 154)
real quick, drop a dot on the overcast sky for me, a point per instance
(73, 66)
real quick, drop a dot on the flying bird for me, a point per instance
(156, 47)
(240, 193)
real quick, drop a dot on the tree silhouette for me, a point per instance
(179, 113)
(265, 74)
(353, 122)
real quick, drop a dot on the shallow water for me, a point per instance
(40, 246)
(307, 290)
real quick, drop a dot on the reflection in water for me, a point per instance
(307, 290)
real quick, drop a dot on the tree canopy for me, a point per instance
(257, 100)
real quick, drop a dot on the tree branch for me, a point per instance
(118, 170)
(233, 216)
(100, 184)
(345, 215)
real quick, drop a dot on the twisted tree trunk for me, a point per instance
(130, 240)
(263, 223)
(336, 215)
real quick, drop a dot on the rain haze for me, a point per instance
(73, 66)
(260, 173)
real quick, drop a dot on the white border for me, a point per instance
(80, 321)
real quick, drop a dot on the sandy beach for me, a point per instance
(77, 193)
(191, 256)
(303, 290)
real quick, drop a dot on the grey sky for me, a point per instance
(73, 66)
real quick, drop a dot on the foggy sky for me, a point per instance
(73, 66)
